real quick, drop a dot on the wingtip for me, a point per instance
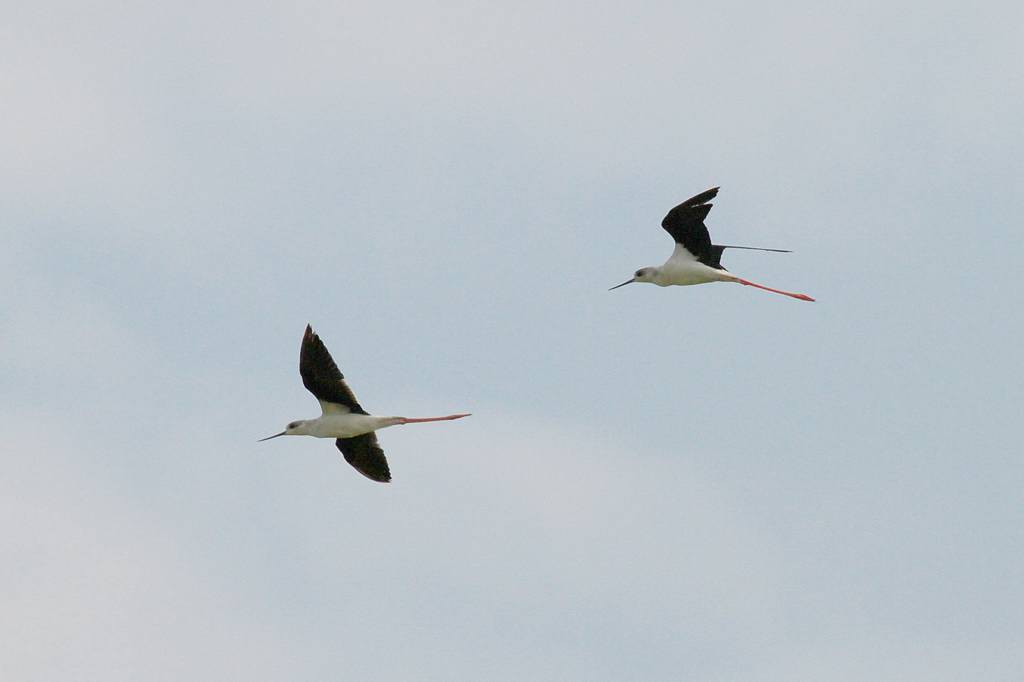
(700, 200)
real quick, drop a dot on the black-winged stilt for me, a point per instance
(343, 417)
(695, 259)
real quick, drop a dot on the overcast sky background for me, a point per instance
(707, 483)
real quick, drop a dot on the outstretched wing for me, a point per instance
(322, 377)
(365, 454)
(685, 223)
(717, 249)
(715, 260)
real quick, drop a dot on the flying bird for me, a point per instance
(343, 417)
(695, 259)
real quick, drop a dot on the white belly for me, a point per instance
(680, 272)
(347, 425)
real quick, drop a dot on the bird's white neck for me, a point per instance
(654, 275)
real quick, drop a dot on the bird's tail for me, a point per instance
(752, 248)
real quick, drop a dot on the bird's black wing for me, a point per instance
(717, 249)
(365, 454)
(685, 223)
(321, 376)
(715, 260)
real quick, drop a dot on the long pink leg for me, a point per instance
(416, 420)
(802, 297)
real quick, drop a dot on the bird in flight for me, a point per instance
(695, 259)
(343, 418)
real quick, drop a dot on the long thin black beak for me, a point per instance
(628, 281)
(269, 437)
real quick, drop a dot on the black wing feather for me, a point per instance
(716, 257)
(717, 249)
(702, 198)
(685, 223)
(365, 454)
(321, 376)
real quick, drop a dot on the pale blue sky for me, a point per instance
(706, 483)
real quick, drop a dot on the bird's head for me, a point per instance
(293, 429)
(641, 275)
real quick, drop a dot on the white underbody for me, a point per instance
(682, 268)
(338, 422)
(347, 425)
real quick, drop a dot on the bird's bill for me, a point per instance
(628, 281)
(269, 437)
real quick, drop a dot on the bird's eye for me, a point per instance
(293, 425)
(639, 273)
